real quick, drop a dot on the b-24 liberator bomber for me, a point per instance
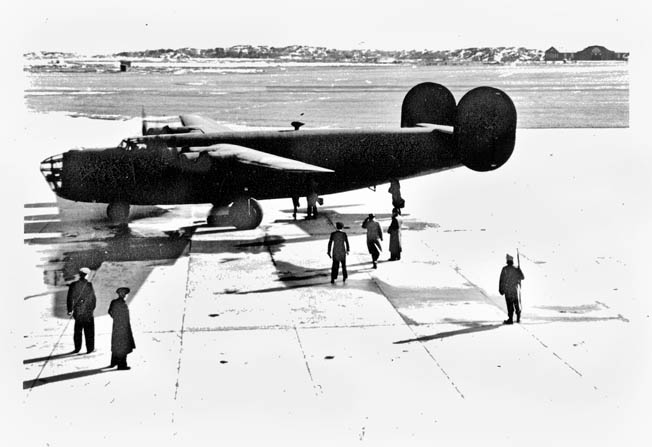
(201, 162)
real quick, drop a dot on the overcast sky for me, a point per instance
(95, 28)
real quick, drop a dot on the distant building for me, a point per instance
(595, 53)
(124, 65)
(592, 53)
(552, 54)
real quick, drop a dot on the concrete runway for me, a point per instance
(242, 339)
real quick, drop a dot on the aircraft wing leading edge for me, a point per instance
(253, 157)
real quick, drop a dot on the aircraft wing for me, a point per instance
(205, 124)
(253, 157)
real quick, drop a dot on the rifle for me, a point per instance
(518, 290)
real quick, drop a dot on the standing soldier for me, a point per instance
(122, 339)
(295, 206)
(81, 303)
(340, 244)
(312, 205)
(510, 281)
(395, 190)
(374, 236)
(394, 231)
(312, 199)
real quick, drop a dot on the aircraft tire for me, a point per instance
(118, 213)
(245, 214)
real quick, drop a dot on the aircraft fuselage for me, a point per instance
(173, 169)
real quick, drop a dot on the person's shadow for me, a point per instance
(40, 381)
(473, 328)
(50, 357)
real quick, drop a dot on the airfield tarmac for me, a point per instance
(241, 337)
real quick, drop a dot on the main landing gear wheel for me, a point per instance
(245, 214)
(118, 213)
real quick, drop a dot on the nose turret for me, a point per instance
(51, 168)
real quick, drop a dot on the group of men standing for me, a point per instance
(338, 243)
(81, 303)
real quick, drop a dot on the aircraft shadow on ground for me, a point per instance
(40, 381)
(93, 243)
(583, 313)
(71, 224)
(65, 256)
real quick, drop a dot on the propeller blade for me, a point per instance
(143, 127)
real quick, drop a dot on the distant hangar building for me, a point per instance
(592, 53)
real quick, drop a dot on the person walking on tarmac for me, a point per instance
(510, 281)
(81, 303)
(340, 245)
(374, 236)
(122, 339)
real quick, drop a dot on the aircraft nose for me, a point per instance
(51, 168)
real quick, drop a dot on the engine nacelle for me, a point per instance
(484, 121)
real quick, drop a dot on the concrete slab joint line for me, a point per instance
(316, 387)
(182, 330)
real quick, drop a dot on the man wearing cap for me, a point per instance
(340, 244)
(81, 303)
(510, 280)
(374, 236)
(122, 339)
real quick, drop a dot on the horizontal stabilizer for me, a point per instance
(438, 127)
(253, 157)
(207, 125)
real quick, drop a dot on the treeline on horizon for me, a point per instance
(323, 54)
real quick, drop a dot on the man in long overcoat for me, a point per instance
(395, 191)
(510, 280)
(81, 303)
(339, 242)
(374, 236)
(122, 339)
(394, 230)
